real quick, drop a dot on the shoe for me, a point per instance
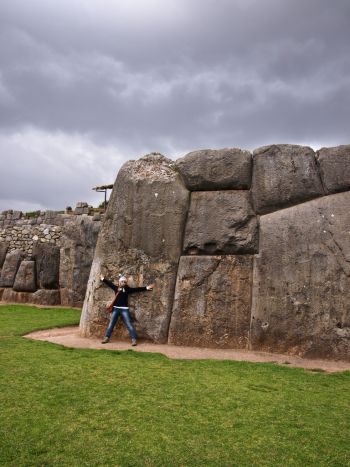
(105, 340)
(133, 342)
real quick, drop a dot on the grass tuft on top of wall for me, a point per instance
(71, 407)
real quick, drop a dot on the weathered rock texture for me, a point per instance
(302, 280)
(46, 297)
(3, 251)
(11, 296)
(141, 237)
(284, 175)
(10, 268)
(47, 260)
(25, 278)
(212, 302)
(78, 245)
(40, 297)
(295, 299)
(335, 168)
(50, 242)
(224, 169)
(221, 222)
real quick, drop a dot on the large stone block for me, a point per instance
(79, 238)
(11, 296)
(47, 258)
(334, 166)
(147, 208)
(141, 237)
(301, 294)
(26, 277)
(284, 175)
(212, 302)
(150, 310)
(223, 169)
(3, 250)
(221, 222)
(10, 268)
(46, 297)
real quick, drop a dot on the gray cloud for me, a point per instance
(127, 78)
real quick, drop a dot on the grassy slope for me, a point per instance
(74, 407)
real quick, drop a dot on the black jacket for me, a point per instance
(122, 299)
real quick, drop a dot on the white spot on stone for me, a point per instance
(156, 195)
(332, 215)
(325, 231)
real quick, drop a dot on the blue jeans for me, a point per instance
(127, 321)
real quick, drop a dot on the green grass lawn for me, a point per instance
(69, 407)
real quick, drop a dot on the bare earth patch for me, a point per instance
(69, 337)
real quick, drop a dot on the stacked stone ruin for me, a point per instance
(46, 258)
(246, 250)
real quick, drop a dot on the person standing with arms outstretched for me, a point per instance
(120, 306)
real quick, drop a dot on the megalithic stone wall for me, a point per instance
(259, 245)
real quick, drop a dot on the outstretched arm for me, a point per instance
(139, 289)
(109, 283)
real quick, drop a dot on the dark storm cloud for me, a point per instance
(117, 79)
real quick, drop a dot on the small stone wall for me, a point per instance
(34, 252)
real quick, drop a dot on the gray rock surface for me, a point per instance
(284, 175)
(10, 268)
(78, 245)
(46, 297)
(47, 259)
(301, 294)
(3, 251)
(221, 222)
(334, 166)
(141, 237)
(223, 169)
(26, 277)
(212, 302)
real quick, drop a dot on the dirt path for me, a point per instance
(70, 337)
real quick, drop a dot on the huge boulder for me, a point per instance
(284, 175)
(221, 222)
(10, 267)
(78, 244)
(223, 169)
(141, 237)
(25, 278)
(301, 293)
(47, 259)
(334, 166)
(212, 302)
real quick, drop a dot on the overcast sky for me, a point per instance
(87, 84)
